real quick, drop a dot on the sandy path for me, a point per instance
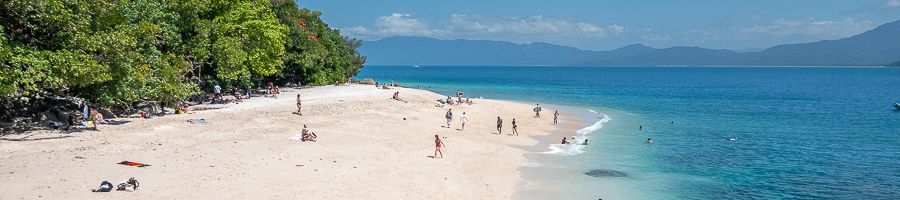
(366, 150)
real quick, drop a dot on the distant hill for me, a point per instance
(430, 51)
(880, 46)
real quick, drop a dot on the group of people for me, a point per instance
(515, 128)
(572, 141)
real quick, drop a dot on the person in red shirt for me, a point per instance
(437, 146)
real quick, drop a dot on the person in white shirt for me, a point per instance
(463, 119)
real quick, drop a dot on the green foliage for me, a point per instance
(316, 54)
(118, 52)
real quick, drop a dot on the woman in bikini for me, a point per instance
(499, 126)
(515, 132)
(437, 146)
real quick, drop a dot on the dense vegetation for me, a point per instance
(113, 53)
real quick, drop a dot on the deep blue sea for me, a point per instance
(799, 132)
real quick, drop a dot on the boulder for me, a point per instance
(367, 81)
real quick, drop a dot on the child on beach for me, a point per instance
(463, 119)
(515, 131)
(449, 117)
(499, 126)
(437, 146)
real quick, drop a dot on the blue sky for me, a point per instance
(608, 24)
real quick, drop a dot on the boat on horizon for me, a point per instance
(416, 66)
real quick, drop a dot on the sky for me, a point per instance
(609, 24)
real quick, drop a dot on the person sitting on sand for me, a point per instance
(237, 95)
(649, 140)
(499, 125)
(515, 131)
(277, 90)
(98, 118)
(469, 101)
(307, 136)
(397, 96)
(564, 141)
(299, 107)
(437, 146)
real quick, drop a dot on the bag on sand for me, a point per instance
(105, 186)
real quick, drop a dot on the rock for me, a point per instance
(367, 81)
(605, 173)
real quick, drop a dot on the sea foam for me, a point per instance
(580, 136)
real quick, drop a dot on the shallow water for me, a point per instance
(800, 133)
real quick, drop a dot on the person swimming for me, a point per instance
(649, 140)
(585, 142)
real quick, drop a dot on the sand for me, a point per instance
(366, 150)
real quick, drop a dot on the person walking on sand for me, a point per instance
(499, 126)
(299, 106)
(463, 119)
(537, 111)
(555, 117)
(515, 130)
(437, 146)
(449, 117)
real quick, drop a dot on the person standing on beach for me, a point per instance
(463, 119)
(537, 111)
(499, 126)
(449, 117)
(218, 93)
(299, 106)
(555, 117)
(515, 130)
(437, 146)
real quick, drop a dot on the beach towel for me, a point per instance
(133, 164)
(297, 137)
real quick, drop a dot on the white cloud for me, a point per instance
(396, 24)
(892, 4)
(807, 28)
(515, 29)
(520, 26)
(616, 29)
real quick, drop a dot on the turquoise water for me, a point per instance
(800, 133)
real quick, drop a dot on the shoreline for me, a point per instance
(373, 142)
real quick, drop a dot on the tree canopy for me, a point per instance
(114, 53)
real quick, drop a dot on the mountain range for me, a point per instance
(876, 47)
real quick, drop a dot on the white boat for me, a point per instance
(416, 66)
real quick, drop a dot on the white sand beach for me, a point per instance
(366, 150)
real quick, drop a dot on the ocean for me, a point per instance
(718, 132)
